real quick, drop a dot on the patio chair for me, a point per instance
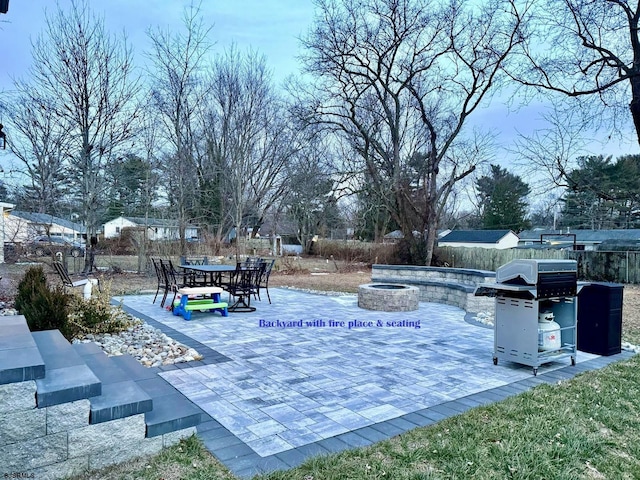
(162, 282)
(191, 277)
(171, 279)
(263, 281)
(68, 282)
(194, 260)
(244, 284)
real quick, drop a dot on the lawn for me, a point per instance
(582, 428)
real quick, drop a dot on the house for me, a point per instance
(157, 229)
(21, 226)
(5, 209)
(499, 239)
(578, 239)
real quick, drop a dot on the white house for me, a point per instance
(20, 226)
(157, 229)
(5, 209)
(499, 239)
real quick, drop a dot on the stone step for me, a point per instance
(67, 377)
(20, 359)
(172, 411)
(121, 396)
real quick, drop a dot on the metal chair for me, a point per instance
(244, 284)
(194, 260)
(263, 281)
(171, 280)
(194, 278)
(162, 282)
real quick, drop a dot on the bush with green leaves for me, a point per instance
(43, 307)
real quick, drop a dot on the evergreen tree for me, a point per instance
(503, 200)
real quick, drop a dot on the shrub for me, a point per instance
(96, 315)
(44, 308)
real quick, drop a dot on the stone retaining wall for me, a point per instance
(451, 286)
(58, 441)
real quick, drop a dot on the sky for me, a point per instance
(270, 27)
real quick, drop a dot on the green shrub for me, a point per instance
(96, 315)
(44, 308)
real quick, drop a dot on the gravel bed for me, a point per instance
(147, 344)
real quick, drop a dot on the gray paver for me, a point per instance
(287, 392)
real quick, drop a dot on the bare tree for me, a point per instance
(548, 155)
(248, 138)
(38, 141)
(178, 95)
(586, 48)
(87, 77)
(399, 79)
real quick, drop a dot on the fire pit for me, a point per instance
(388, 297)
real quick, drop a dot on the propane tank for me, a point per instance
(548, 332)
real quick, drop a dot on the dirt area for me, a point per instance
(313, 274)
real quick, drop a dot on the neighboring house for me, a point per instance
(499, 239)
(577, 239)
(5, 210)
(23, 226)
(157, 229)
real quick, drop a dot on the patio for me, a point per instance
(312, 374)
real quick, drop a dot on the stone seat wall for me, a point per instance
(451, 286)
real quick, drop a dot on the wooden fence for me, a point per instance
(619, 267)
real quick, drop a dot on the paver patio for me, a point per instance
(313, 373)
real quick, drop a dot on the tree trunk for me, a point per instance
(634, 106)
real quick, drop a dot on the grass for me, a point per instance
(584, 428)
(188, 459)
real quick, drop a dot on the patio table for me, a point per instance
(212, 273)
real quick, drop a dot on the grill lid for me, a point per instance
(529, 271)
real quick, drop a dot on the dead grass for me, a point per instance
(631, 314)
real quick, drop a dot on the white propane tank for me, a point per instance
(548, 332)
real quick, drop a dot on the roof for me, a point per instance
(46, 219)
(397, 234)
(155, 222)
(589, 236)
(475, 236)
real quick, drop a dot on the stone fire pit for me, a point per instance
(388, 297)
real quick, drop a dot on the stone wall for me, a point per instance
(451, 286)
(58, 441)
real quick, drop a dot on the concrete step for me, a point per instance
(67, 377)
(172, 411)
(20, 359)
(121, 396)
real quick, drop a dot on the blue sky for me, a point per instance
(269, 26)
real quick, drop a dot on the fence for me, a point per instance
(620, 267)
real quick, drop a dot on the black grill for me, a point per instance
(543, 278)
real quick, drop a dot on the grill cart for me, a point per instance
(536, 311)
